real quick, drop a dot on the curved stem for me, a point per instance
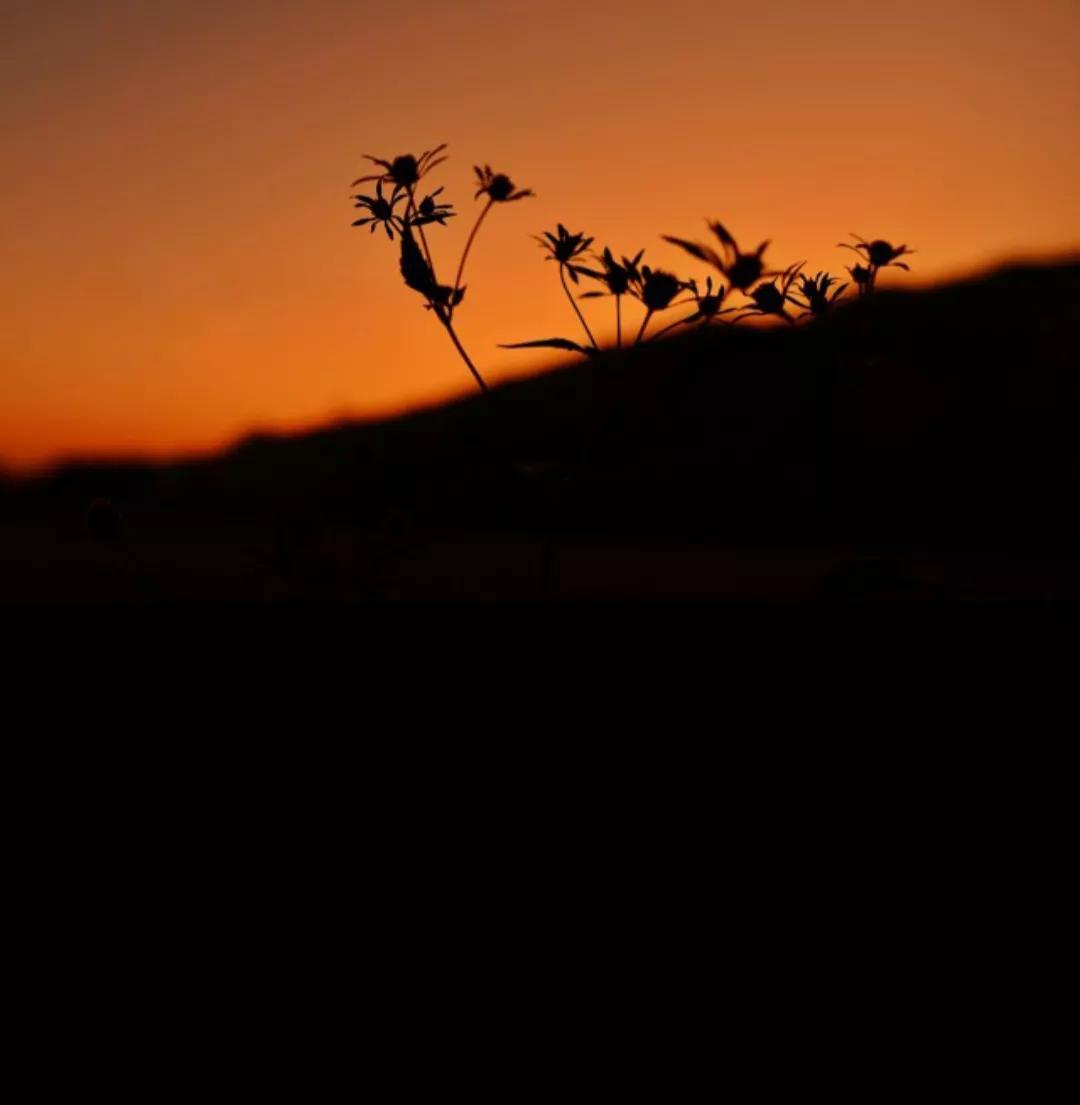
(644, 323)
(618, 322)
(468, 246)
(577, 309)
(671, 326)
(444, 319)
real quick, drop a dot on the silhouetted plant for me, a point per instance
(656, 289)
(742, 270)
(498, 188)
(553, 343)
(417, 267)
(709, 306)
(771, 298)
(878, 254)
(860, 274)
(405, 171)
(616, 278)
(381, 210)
(564, 248)
(619, 280)
(817, 300)
(432, 212)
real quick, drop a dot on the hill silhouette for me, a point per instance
(860, 456)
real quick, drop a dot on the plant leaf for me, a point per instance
(721, 232)
(552, 343)
(702, 253)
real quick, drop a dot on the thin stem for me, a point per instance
(577, 309)
(423, 239)
(468, 246)
(671, 326)
(445, 320)
(644, 323)
(618, 322)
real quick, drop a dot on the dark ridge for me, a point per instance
(942, 418)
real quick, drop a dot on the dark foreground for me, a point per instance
(921, 447)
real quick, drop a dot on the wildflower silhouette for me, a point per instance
(655, 288)
(564, 248)
(381, 210)
(432, 212)
(860, 274)
(709, 306)
(616, 278)
(816, 298)
(406, 171)
(499, 188)
(879, 254)
(403, 173)
(771, 298)
(742, 270)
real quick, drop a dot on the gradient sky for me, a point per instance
(177, 261)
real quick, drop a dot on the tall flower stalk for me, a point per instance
(417, 265)
(564, 248)
(498, 188)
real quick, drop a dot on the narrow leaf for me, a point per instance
(550, 343)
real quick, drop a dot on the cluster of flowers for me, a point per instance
(766, 292)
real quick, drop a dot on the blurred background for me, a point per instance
(178, 266)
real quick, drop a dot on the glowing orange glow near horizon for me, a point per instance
(178, 265)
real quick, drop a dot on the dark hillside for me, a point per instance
(942, 420)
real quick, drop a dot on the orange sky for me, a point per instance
(177, 261)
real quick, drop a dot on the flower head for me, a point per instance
(879, 253)
(498, 186)
(862, 276)
(564, 248)
(656, 288)
(815, 292)
(430, 211)
(404, 171)
(770, 299)
(380, 210)
(616, 277)
(708, 305)
(742, 270)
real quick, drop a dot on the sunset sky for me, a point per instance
(178, 266)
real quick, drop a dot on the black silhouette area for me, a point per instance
(905, 446)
